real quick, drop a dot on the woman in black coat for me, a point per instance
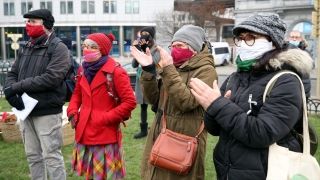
(245, 125)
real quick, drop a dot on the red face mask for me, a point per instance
(34, 31)
(180, 56)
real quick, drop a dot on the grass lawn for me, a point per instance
(13, 163)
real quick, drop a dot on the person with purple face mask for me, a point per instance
(42, 78)
(190, 58)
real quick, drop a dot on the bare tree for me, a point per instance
(165, 23)
(206, 10)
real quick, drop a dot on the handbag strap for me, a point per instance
(306, 137)
(165, 118)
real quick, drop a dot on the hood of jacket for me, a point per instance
(200, 59)
(294, 58)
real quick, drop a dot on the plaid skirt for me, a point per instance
(98, 161)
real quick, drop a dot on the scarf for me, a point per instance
(34, 41)
(245, 65)
(91, 69)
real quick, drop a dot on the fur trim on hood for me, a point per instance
(296, 58)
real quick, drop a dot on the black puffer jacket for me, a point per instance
(242, 149)
(41, 78)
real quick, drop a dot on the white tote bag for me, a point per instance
(288, 165)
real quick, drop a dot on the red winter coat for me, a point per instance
(99, 115)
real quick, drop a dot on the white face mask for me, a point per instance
(255, 51)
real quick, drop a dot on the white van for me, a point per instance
(221, 53)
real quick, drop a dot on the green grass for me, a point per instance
(14, 166)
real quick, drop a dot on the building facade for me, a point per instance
(74, 20)
(295, 13)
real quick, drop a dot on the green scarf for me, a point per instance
(245, 65)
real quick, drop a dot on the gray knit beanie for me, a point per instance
(193, 35)
(264, 23)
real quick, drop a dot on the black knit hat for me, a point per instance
(150, 30)
(44, 14)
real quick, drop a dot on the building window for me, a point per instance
(23, 8)
(91, 7)
(105, 6)
(49, 6)
(42, 5)
(84, 7)
(11, 8)
(8, 9)
(135, 7)
(113, 6)
(46, 5)
(70, 7)
(63, 7)
(128, 7)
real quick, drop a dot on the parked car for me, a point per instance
(221, 53)
(132, 72)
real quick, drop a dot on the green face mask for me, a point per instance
(245, 65)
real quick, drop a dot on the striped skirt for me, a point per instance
(98, 161)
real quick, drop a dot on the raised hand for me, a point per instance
(166, 58)
(142, 58)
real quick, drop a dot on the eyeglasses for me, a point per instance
(32, 22)
(248, 39)
(294, 37)
(84, 46)
(178, 46)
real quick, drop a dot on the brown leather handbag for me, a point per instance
(173, 151)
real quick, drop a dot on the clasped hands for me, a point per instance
(204, 94)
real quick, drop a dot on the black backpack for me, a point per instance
(70, 77)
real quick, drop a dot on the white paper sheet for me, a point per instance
(29, 104)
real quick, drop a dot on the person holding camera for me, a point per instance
(146, 40)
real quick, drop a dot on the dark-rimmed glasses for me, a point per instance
(248, 39)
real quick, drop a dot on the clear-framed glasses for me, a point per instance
(84, 46)
(178, 46)
(32, 22)
(248, 39)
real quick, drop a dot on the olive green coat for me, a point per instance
(184, 113)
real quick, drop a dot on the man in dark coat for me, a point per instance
(297, 41)
(36, 75)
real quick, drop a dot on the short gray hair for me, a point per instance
(91, 44)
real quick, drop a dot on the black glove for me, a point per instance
(8, 92)
(16, 101)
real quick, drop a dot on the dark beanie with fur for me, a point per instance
(264, 23)
(150, 30)
(44, 14)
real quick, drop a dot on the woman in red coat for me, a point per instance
(98, 150)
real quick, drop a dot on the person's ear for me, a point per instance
(44, 28)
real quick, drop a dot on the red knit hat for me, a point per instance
(104, 41)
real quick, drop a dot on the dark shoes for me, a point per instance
(144, 131)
